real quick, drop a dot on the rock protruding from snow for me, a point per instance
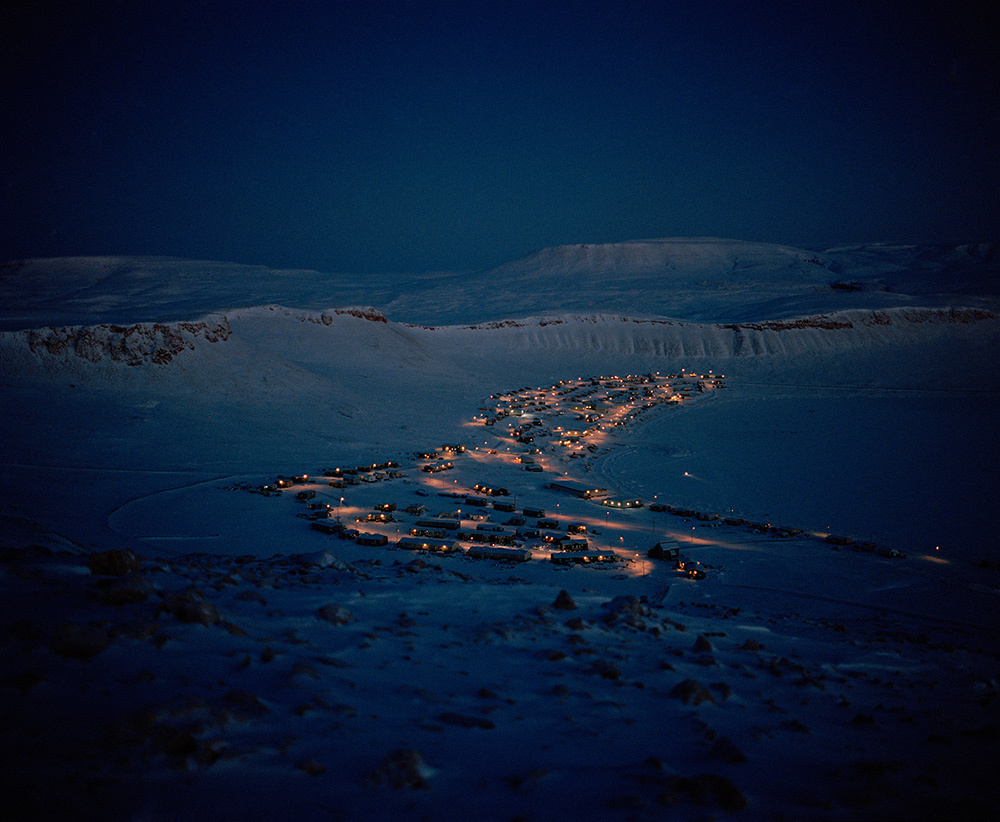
(137, 344)
(564, 602)
(116, 562)
(403, 769)
(335, 614)
(324, 559)
(691, 692)
(191, 606)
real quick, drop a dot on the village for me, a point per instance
(513, 493)
(477, 500)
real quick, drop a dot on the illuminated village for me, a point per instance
(546, 433)
(517, 494)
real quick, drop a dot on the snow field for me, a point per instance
(225, 661)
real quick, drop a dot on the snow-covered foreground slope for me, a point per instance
(264, 387)
(251, 667)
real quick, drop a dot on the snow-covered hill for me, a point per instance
(705, 280)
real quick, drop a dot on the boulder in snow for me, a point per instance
(403, 768)
(335, 614)
(114, 563)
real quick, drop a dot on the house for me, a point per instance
(491, 490)
(489, 537)
(577, 489)
(574, 545)
(422, 544)
(622, 503)
(438, 467)
(583, 557)
(495, 552)
(327, 526)
(372, 539)
(666, 549)
(431, 533)
(443, 524)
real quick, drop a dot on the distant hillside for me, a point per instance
(332, 344)
(718, 280)
(699, 279)
(685, 258)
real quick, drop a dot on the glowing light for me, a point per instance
(936, 558)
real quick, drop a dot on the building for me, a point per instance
(622, 503)
(577, 489)
(666, 549)
(422, 544)
(583, 557)
(441, 524)
(574, 544)
(327, 526)
(502, 554)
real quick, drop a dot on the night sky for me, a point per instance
(391, 136)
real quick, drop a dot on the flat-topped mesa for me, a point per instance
(704, 256)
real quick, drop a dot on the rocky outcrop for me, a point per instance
(137, 344)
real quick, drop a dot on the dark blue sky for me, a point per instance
(385, 136)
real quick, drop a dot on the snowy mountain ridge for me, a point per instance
(701, 279)
(693, 256)
(161, 343)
